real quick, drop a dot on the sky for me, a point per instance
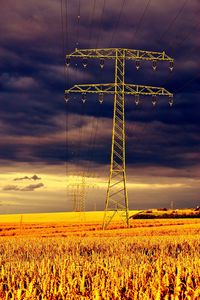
(47, 145)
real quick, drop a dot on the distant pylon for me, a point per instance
(172, 204)
(78, 194)
(117, 196)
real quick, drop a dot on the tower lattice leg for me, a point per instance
(117, 196)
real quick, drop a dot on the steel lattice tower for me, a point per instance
(78, 195)
(117, 196)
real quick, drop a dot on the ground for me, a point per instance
(68, 256)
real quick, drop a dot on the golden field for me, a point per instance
(57, 256)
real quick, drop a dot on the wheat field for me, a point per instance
(152, 260)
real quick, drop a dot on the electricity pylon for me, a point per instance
(78, 194)
(117, 196)
(74, 193)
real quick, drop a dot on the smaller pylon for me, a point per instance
(78, 194)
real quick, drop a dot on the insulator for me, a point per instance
(85, 62)
(83, 97)
(137, 99)
(171, 100)
(154, 100)
(137, 64)
(171, 65)
(67, 61)
(101, 98)
(154, 65)
(101, 63)
(66, 97)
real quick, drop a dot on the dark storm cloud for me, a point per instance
(28, 188)
(32, 82)
(32, 187)
(10, 188)
(34, 177)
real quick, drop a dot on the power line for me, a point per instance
(187, 37)
(66, 36)
(96, 125)
(139, 23)
(63, 41)
(173, 20)
(91, 21)
(135, 33)
(80, 170)
(66, 24)
(65, 82)
(91, 18)
(101, 22)
(93, 128)
(78, 24)
(171, 75)
(178, 45)
(141, 18)
(117, 22)
(180, 42)
(83, 170)
(93, 138)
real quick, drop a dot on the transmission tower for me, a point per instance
(78, 194)
(74, 193)
(117, 196)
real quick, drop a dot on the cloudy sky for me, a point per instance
(47, 145)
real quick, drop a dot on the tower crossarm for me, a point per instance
(147, 55)
(129, 89)
(134, 89)
(108, 88)
(129, 54)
